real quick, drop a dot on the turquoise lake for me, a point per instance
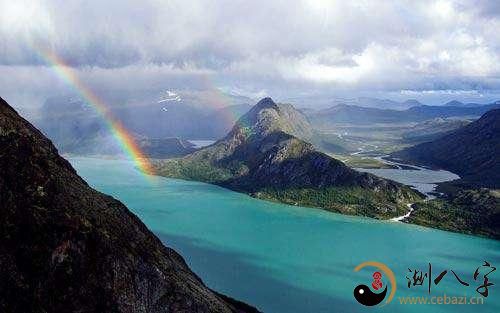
(284, 259)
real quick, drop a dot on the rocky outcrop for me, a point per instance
(66, 247)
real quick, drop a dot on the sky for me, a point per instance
(433, 51)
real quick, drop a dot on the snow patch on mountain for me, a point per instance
(169, 96)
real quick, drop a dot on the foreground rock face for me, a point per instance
(68, 248)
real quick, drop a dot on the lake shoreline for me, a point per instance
(430, 193)
(407, 215)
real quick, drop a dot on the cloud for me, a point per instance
(276, 46)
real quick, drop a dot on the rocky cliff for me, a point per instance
(68, 248)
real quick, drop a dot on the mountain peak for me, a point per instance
(412, 102)
(265, 103)
(454, 103)
(267, 117)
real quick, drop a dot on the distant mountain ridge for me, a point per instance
(265, 155)
(76, 128)
(69, 248)
(376, 103)
(320, 102)
(473, 152)
(456, 103)
(429, 130)
(343, 113)
(200, 115)
(94, 138)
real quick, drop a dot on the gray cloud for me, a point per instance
(273, 46)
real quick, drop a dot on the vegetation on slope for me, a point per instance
(466, 211)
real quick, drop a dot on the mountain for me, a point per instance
(81, 131)
(222, 120)
(473, 152)
(191, 114)
(367, 102)
(76, 127)
(326, 101)
(409, 104)
(165, 148)
(351, 114)
(164, 119)
(69, 248)
(343, 113)
(424, 112)
(456, 103)
(266, 155)
(432, 129)
(469, 211)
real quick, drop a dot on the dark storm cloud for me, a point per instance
(259, 45)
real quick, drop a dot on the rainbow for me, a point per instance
(123, 137)
(219, 101)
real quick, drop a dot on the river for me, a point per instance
(423, 179)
